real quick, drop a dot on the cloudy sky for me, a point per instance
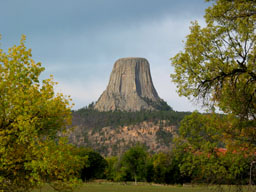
(78, 41)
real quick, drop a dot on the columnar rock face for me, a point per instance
(130, 88)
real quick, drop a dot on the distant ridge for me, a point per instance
(130, 88)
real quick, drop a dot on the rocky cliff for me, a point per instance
(113, 132)
(130, 88)
(112, 140)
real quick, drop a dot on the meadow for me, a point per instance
(145, 187)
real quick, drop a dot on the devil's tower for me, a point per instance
(130, 88)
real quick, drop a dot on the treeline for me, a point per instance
(94, 119)
(137, 165)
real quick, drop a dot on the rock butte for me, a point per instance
(130, 87)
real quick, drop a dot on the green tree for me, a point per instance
(111, 169)
(166, 168)
(161, 164)
(31, 115)
(218, 62)
(203, 132)
(95, 165)
(201, 137)
(218, 66)
(134, 161)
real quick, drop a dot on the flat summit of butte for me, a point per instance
(130, 88)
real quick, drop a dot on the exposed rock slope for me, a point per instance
(111, 140)
(130, 88)
(112, 132)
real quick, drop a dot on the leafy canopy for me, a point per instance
(134, 160)
(218, 61)
(31, 115)
(218, 67)
(201, 138)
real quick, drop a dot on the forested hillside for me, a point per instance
(94, 119)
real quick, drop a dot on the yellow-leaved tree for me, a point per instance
(31, 115)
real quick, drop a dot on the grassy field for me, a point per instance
(141, 187)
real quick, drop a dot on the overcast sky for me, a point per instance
(78, 41)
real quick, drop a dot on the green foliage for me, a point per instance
(200, 138)
(202, 131)
(94, 166)
(134, 162)
(162, 167)
(31, 115)
(218, 62)
(111, 169)
(137, 164)
(93, 119)
(57, 164)
(217, 67)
